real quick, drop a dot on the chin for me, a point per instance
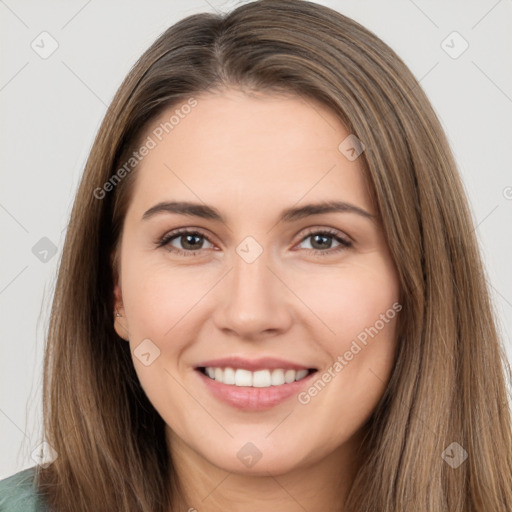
(253, 458)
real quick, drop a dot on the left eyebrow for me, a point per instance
(288, 215)
(292, 214)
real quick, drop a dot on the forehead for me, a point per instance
(237, 149)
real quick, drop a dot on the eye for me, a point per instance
(321, 242)
(190, 241)
(187, 242)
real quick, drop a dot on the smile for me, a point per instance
(257, 379)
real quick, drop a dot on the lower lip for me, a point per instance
(250, 398)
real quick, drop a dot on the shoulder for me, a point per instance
(18, 493)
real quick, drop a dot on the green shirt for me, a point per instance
(18, 493)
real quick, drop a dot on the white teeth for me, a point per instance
(229, 376)
(257, 379)
(301, 374)
(277, 378)
(289, 376)
(261, 379)
(242, 377)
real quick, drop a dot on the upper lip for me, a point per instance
(263, 363)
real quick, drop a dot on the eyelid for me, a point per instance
(330, 231)
(344, 240)
(176, 233)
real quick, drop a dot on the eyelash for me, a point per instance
(165, 241)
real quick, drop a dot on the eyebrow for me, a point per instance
(288, 215)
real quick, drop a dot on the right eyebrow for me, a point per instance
(184, 208)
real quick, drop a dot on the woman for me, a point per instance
(271, 296)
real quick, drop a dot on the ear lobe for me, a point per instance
(120, 324)
(118, 297)
(120, 328)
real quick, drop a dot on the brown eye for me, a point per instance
(184, 242)
(321, 242)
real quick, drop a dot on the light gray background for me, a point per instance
(52, 108)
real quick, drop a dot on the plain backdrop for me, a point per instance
(52, 105)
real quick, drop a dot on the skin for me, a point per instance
(250, 157)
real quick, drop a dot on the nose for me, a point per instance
(255, 302)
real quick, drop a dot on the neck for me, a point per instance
(206, 487)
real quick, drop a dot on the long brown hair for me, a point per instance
(448, 384)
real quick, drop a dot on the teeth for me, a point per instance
(242, 377)
(289, 376)
(301, 374)
(261, 379)
(229, 376)
(257, 379)
(277, 378)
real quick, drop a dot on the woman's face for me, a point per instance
(268, 282)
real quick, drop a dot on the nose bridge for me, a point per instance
(250, 274)
(250, 279)
(254, 300)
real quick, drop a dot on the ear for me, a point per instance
(120, 322)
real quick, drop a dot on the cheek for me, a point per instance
(350, 298)
(160, 301)
(157, 297)
(358, 308)
(359, 345)
(359, 304)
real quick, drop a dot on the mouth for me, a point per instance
(253, 385)
(263, 378)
